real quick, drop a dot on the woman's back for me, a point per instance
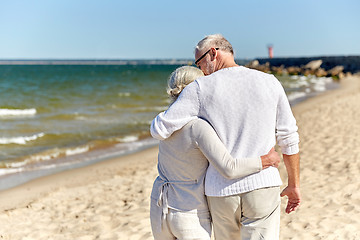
(182, 168)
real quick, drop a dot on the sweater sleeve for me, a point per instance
(215, 151)
(286, 129)
(182, 111)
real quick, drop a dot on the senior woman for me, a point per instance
(179, 207)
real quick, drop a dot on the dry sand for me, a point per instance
(110, 200)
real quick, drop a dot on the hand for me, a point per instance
(272, 159)
(294, 198)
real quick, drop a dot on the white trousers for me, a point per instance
(248, 216)
(179, 225)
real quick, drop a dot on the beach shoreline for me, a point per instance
(13, 177)
(14, 197)
(17, 171)
(110, 199)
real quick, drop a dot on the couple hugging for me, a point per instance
(217, 165)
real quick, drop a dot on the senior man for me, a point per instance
(250, 112)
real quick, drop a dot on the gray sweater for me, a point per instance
(182, 163)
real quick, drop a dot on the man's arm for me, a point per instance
(182, 111)
(286, 129)
(288, 140)
(292, 163)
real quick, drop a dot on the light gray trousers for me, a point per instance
(248, 216)
(179, 225)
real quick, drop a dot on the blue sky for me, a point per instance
(165, 29)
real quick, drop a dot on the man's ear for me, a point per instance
(213, 54)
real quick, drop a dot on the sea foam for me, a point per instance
(128, 139)
(75, 151)
(124, 94)
(4, 112)
(20, 140)
(295, 95)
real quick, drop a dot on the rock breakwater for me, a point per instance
(337, 67)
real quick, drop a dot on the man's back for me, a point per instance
(241, 105)
(247, 109)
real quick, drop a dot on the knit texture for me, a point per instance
(249, 111)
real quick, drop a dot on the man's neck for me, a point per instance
(227, 64)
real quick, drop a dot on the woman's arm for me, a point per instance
(214, 150)
(182, 111)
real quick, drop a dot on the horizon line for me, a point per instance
(179, 61)
(159, 59)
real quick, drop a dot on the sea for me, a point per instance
(61, 116)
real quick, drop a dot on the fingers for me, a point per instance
(276, 164)
(292, 206)
(271, 150)
(293, 200)
(282, 194)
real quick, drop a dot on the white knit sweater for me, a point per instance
(182, 163)
(249, 111)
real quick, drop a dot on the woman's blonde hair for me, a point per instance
(180, 78)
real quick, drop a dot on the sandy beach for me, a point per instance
(110, 199)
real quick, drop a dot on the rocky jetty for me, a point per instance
(336, 67)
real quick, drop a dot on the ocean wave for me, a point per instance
(32, 159)
(46, 156)
(15, 165)
(124, 94)
(128, 139)
(78, 150)
(21, 140)
(151, 109)
(4, 171)
(81, 118)
(43, 157)
(4, 112)
(295, 95)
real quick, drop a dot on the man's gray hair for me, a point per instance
(215, 41)
(180, 78)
